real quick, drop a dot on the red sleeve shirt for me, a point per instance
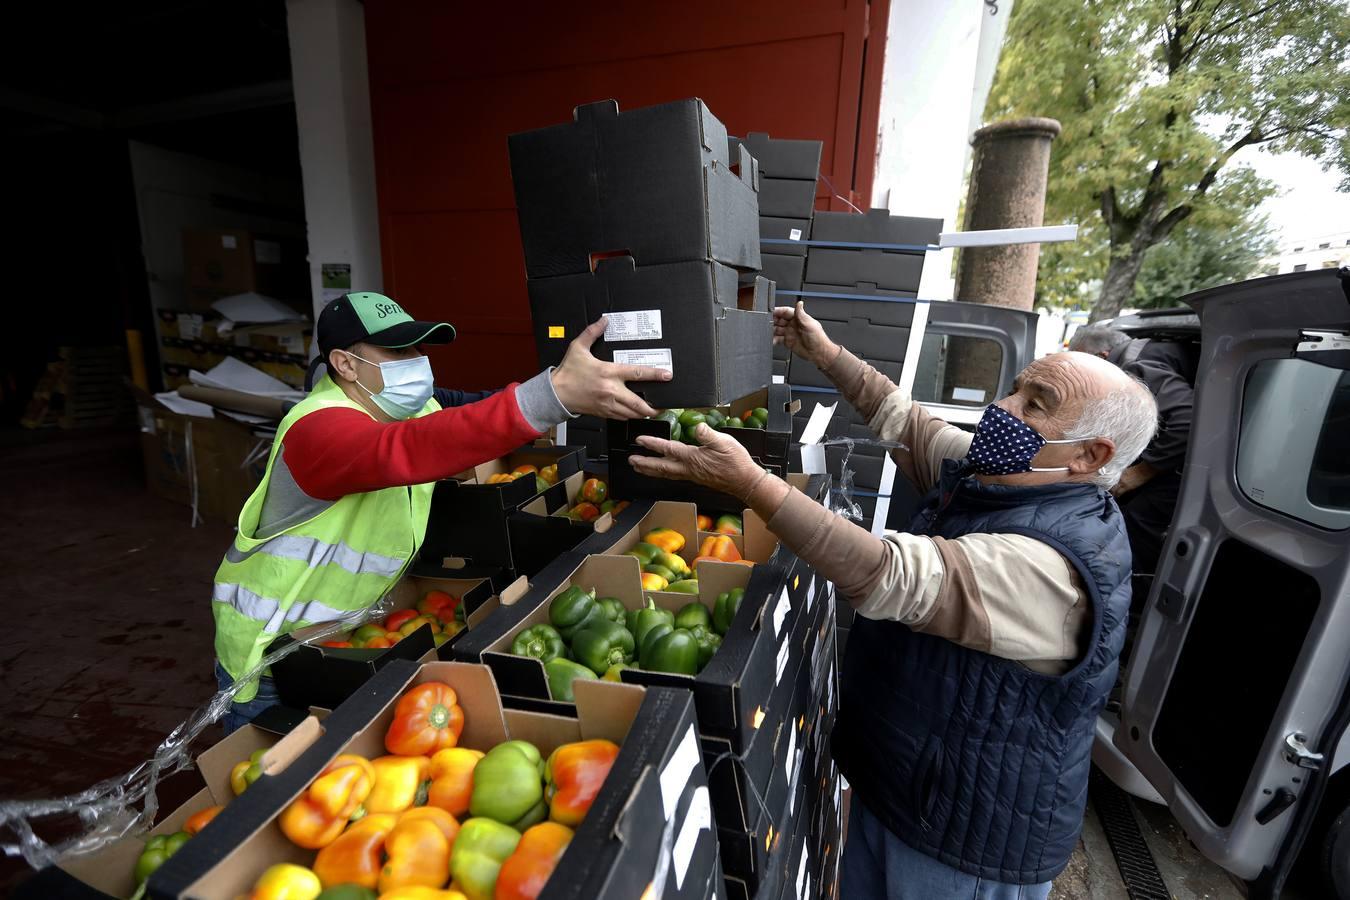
(338, 451)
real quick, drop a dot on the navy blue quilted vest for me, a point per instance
(975, 760)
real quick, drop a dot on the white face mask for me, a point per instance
(408, 385)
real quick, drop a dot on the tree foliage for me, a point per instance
(1156, 99)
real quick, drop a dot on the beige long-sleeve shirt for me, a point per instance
(1004, 594)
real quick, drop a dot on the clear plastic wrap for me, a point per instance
(127, 805)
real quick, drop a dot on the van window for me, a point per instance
(1294, 441)
(958, 370)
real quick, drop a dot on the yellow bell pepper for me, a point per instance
(419, 855)
(668, 539)
(452, 779)
(320, 814)
(417, 892)
(287, 882)
(398, 779)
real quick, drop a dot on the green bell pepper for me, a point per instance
(573, 610)
(715, 418)
(613, 608)
(672, 418)
(561, 673)
(541, 642)
(644, 552)
(690, 419)
(659, 630)
(708, 643)
(157, 850)
(692, 614)
(480, 848)
(657, 569)
(734, 422)
(603, 645)
(686, 585)
(675, 651)
(725, 609)
(508, 785)
(647, 618)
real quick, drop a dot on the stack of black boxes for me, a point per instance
(787, 199)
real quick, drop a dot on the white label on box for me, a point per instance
(267, 252)
(792, 785)
(698, 819)
(791, 750)
(801, 873)
(675, 773)
(813, 459)
(779, 379)
(780, 611)
(783, 655)
(638, 325)
(968, 395)
(189, 326)
(795, 234)
(229, 241)
(658, 358)
(811, 593)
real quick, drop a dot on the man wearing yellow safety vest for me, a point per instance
(342, 508)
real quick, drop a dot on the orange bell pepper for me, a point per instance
(398, 781)
(452, 779)
(419, 855)
(526, 871)
(447, 823)
(719, 546)
(574, 774)
(705, 523)
(317, 817)
(356, 856)
(668, 539)
(427, 718)
(200, 820)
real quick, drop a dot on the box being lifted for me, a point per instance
(690, 318)
(658, 184)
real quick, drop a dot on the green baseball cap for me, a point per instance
(375, 319)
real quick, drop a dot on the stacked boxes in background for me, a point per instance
(787, 199)
(191, 340)
(863, 296)
(645, 217)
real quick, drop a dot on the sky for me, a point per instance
(1309, 205)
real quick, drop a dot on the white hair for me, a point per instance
(1128, 416)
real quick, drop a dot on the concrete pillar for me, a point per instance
(1007, 190)
(337, 152)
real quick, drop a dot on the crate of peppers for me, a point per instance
(424, 787)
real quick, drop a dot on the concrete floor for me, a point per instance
(105, 594)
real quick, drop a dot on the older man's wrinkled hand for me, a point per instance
(719, 462)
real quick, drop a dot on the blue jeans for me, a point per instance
(240, 714)
(877, 864)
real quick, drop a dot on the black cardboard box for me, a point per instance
(783, 157)
(876, 226)
(314, 675)
(787, 272)
(733, 692)
(688, 317)
(867, 302)
(656, 183)
(769, 443)
(653, 787)
(468, 531)
(897, 270)
(786, 230)
(787, 198)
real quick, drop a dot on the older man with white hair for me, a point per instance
(988, 635)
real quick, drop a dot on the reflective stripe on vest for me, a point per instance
(333, 565)
(317, 553)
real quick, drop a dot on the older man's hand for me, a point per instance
(589, 386)
(720, 462)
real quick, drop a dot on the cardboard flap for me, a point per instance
(760, 542)
(216, 762)
(545, 731)
(291, 746)
(600, 109)
(606, 709)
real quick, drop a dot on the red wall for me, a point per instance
(449, 82)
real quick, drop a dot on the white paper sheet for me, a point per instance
(251, 308)
(186, 407)
(237, 375)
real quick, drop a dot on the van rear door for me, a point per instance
(1236, 690)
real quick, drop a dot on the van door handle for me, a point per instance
(1297, 752)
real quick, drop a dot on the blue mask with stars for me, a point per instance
(1005, 445)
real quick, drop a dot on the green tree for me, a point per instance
(1156, 98)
